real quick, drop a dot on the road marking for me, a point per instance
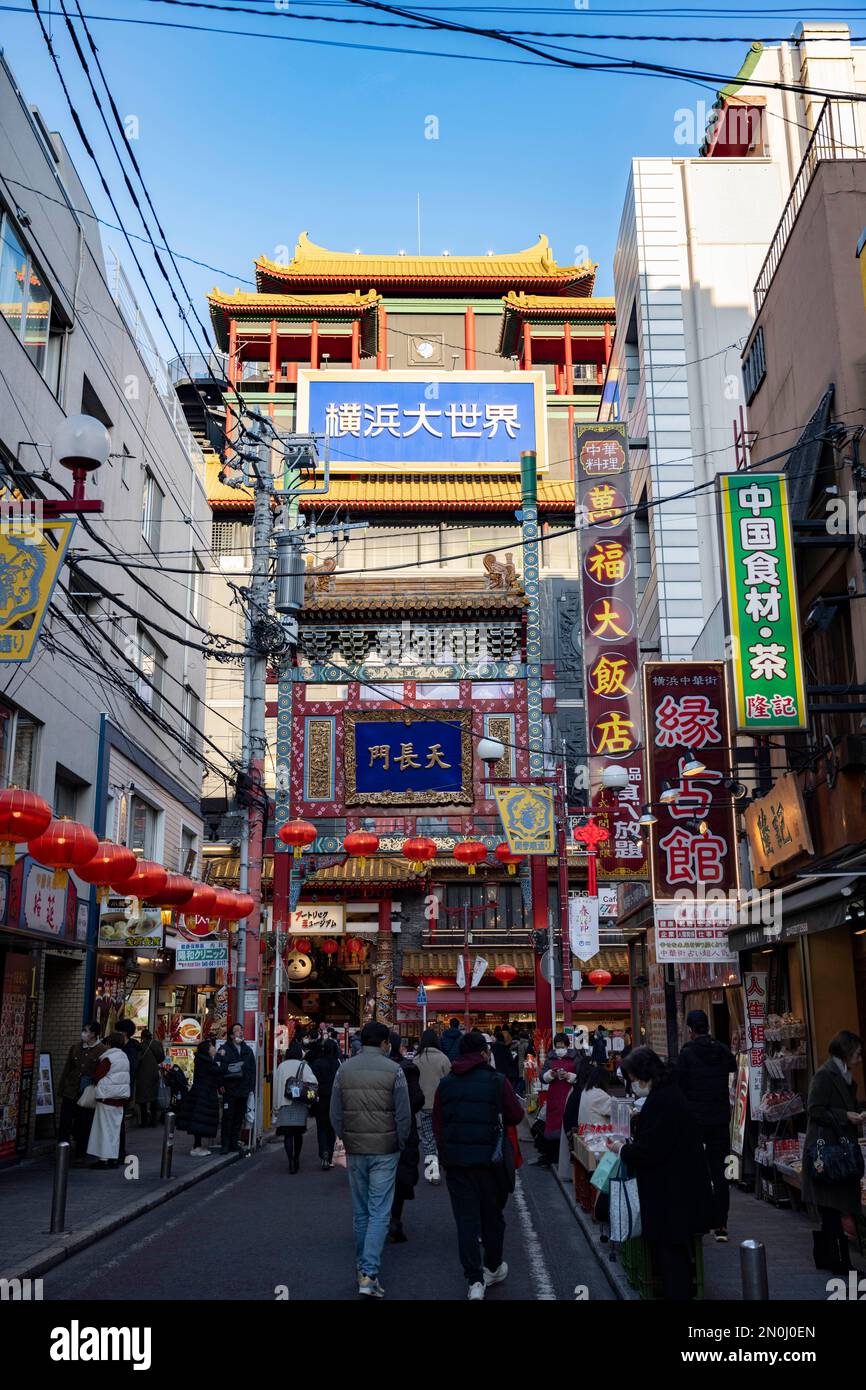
(537, 1263)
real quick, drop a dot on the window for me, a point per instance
(151, 663)
(188, 850)
(67, 793)
(191, 717)
(92, 405)
(492, 690)
(313, 692)
(151, 509)
(381, 693)
(195, 585)
(433, 690)
(22, 751)
(26, 305)
(754, 366)
(145, 828)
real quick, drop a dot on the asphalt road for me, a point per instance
(257, 1232)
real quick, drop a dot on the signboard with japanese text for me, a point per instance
(740, 1107)
(201, 955)
(610, 643)
(318, 919)
(693, 932)
(126, 923)
(44, 905)
(761, 595)
(777, 828)
(583, 913)
(694, 843)
(755, 999)
(527, 819)
(405, 758)
(433, 422)
(32, 552)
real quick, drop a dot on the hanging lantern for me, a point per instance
(108, 866)
(244, 904)
(199, 908)
(419, 851)
(300, 834)
(303, 944)
(176, 892)
(66, 844)
(225, 908)
(148, 880)
(329, 946)
(504, 855)
(361, 844)
(505, 974)
(354, 946)
(599, 978)
(470, 853)
(23, 816)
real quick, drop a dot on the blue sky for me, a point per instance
(246, 142)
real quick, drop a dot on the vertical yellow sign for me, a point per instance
(31, 554)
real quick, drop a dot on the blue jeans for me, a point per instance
(371, 1183)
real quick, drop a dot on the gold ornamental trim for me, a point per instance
(464, 797)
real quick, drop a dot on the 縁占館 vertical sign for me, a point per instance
(761, 595)
(610, 643)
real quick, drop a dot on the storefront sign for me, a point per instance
(755, 998)
(44, 1086)
(777, 828)
(657, 1023)
(527, 819)
(694, 845)
(44, 905)
(688, 931)
(401, 758)
(608, 902)
(740, 1108)
(432, 422)
(610, 643)
(204, 955)
(14, 1021)
(318, 919)
(761, 592)
(31, 555)
(124, 923)
(583, 925)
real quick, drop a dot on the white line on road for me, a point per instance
(537, 1263)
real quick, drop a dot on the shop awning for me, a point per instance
(802, 463)
(513, 1000)
(805, 911)
(441, 961)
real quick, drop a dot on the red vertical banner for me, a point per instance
(610, 643)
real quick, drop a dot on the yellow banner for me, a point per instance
(527, 819)
(30, 559)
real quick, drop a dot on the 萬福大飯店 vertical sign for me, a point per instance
(761, 593)
(610, 643)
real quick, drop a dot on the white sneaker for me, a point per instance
(476, 1293)
(200, 1153)
(431, 1171)
(497, 1276)
(368, 1284)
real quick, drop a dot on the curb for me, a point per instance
(611, 1269)
(52, 1255)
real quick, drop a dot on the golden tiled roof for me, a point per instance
(517, 307)
(376, 870)
(249, 304)
(443, 961)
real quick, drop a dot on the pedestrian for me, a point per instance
(199, 1113)
(667, 1157)
(132, 1047)
(450, 1040)
(834, 1113)
(589, 1105)
(238, 1065)
(355, 1043)
(599, 1047)
(704, 1067)
(147, 1077)
(524, 1049)
(178, 1086)
(559, 1075)
(77, 1074)
(473, 1109)
(111, 1077)
(291, 1080)
(505, 1055)
(370, 1113)
(432, 1065)
(407, 1168)
(325, 1069)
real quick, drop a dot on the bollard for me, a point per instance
(61, 1181)
(167, 1144)
(753, 1270)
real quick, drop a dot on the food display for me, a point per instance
(780, 1105)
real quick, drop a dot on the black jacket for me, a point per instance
(408, 1163)
(505, 1059)
(233, 1085)
(830, 1099)
(450, 1043)
(471, 1105)
(199, 1112)
(325, 1069)
(703, 1068)
(667, 1157)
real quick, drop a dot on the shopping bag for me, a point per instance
(608, 1166)
(250, 1113)
(87, 1099)
(339, 1154)
(163, 1096)
(625, 1221)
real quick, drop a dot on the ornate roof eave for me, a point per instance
(521, 308)
(334, 605)
(246, 304)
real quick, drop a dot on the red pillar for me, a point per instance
(281, 892)
(469, 334)
(382, 354)
(538, 877)
(527, 347)
(607, 343)
(272, 363)
(232, 372)
(569, 363)
(314, 344)
(356, 345)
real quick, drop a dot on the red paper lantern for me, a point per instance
(419, 851)
(66, 844)
(300, 834)
(148, 880)
(361, 844)
(330, 947)
(302, 944)
(599, 978)
(244, 904)
(23, 816)
(354, 946)
(470, 853)
(176, 892)
(504, 855)
(505, 974)
(225, 908)
(109, 865)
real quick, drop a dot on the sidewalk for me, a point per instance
(97, 1201)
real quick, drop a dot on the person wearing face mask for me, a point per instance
(77, 1074)
(559, 1076)
(667, 1157)
(238, 1066)
(833, 1113)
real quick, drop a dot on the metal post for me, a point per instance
(467, 974)
(753, 1271)
(61, 1181)
(562, 849)
(167, 1144)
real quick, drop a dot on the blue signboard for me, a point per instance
(405, 759)
(438, 421)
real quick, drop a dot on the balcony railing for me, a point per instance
(836, 136)
(195, 366)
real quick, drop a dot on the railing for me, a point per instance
(835, 137)
(195, 366)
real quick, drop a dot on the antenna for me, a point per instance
(418, 205)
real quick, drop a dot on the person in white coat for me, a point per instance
(589, 1106)
(432, 1065)
(292, 1111)
(113, 1090)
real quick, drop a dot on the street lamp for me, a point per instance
(491, 750)
(614, 778)
(81, 444)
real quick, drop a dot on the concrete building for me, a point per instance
(104, 721)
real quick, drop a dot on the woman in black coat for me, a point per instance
(833, 1113)
(200, 1108)
(407, 1166)
(325, 1067)
(667, 1157)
